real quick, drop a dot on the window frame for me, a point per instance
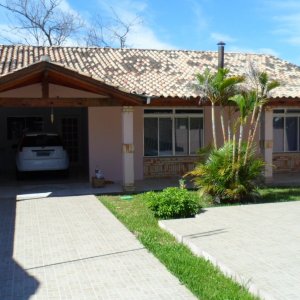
(284, 113)
(168, 113)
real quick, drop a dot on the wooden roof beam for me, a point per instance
(45, 85)
(57, 102)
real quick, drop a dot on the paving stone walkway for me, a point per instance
(74, 248)
(259, 245)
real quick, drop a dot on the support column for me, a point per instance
(268, 143)
(128, 149)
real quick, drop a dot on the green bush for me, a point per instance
(173, 202)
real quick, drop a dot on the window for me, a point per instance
(70, 135)
(16, 126)
(278, 132)
(181, 136)
(150, 137)
(169, 132)
(286, 132)
(165, 136)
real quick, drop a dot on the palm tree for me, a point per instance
(217, 88)
(263, 87)
(230, 172)
(246, 103)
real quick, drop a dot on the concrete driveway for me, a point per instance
(74, 248)
(258, 245)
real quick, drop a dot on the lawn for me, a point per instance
(281, 194)
(200, 276)
(270, 195)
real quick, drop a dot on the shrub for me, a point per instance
(173, 202)
(225, 181)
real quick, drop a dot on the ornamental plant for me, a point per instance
(173, 202)
(226, 182)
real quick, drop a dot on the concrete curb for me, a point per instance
(251, 287)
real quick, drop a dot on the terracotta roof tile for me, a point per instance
(150, 72)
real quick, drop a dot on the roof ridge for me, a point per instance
(137, 49)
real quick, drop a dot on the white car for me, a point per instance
(41, 152)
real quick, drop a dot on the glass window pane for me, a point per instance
(181, 136)
(291, 134)
(278, 134)
(157, 111)
(150, 136)
(189, 111)
(196, 134)
(165, 137)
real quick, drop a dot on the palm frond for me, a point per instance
(272, 85)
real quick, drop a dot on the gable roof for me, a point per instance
(45, 72)
(157, 73)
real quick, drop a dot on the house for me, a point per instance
(133, 113)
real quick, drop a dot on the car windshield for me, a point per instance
(41, 140)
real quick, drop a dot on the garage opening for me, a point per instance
(45, 96)
(69, 123)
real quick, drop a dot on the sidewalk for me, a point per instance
(74, 248)
(258, 245)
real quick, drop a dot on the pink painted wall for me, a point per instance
(208, 128)
(105, 141)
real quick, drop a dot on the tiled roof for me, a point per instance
(150, 72)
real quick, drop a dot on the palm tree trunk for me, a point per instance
(222, 123)
(213, 124)
(239, 151)
(250, 134)
(256, 126)
(229, 124)
(233, 150)
(240, 143)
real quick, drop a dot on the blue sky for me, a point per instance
(257, 26)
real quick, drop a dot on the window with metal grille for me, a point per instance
(170, 132)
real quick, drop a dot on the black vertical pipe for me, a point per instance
(221, 55)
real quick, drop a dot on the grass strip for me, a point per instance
(203, 279)
(279, 194)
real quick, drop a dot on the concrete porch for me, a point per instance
(77, 185)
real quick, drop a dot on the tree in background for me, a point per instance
(40, 22)
(114, 31)
(46, 23)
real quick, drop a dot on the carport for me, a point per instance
(47, 96)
